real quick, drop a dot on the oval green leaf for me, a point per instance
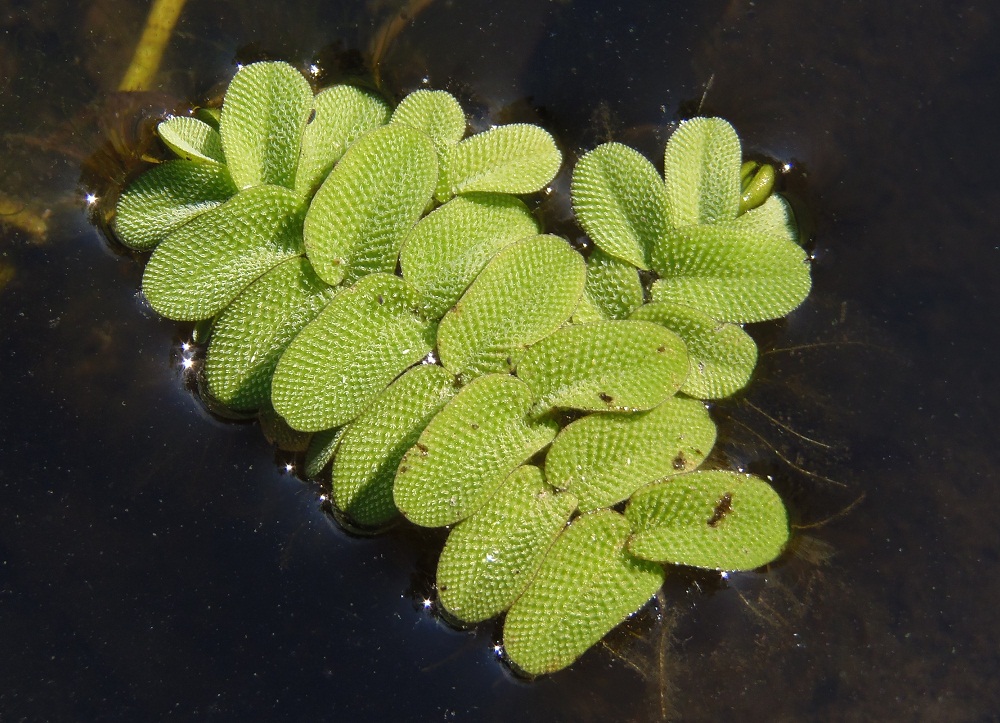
(342, 360)
(717, 520)
(524, 294)
(167, 196)
(587, 585)
(730, 272)
(191, 139)
(434, 112)
(702, 172)
(197, 270)
(621, 202)
(490, 558)
(467, 451)
(773, 218)
(252, 332)
(605, 366)
(604, 458)
(723, 356)
(342, 114)
(368, 203)
(263, 115)
(613, 285)
(447, 248)
(515, 158)
(374, 443)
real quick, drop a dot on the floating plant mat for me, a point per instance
(376, 292)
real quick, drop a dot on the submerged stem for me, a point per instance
(149, 52)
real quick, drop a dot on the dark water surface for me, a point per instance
(156, 562)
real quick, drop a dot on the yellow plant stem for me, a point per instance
(149, 52)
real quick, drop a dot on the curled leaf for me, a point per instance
(467, 451)
(717, 520)
(587, 584)
(191, 139)
(490, 558)
(348, 354)
(322, 447)
(702, 172)
(368, 203)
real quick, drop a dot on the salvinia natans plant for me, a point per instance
(371, 277)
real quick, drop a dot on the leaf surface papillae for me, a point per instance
(378, 292)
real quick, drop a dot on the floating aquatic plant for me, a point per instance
(372, 280)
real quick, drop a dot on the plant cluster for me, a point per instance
(372, 277)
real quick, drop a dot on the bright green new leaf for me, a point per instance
(490, 558)
(447, 248)
(434, 112)
(613, 285)
(723, 356)
(199, 268)
(605, 366)
(702, 172)
(731, 272)
(604, 458)
(772, 218)
(374, 443)
(253, 331)
(524, 294)
(322, 447)
(468, 450)
(191, 139)
(587, 585)
(342, 114)
(620, 201)
(717, 520)
(263, 115)
(348, 354)
(516, 158)
(368, 203)
(168, 196)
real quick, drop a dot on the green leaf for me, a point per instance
(605, 366)
(191, 139)
(773, 218)
(447, 248)
(613, 285)
(716, 520)
(374, 443)
(322, 447)
(263, 116)
(524, 294)
(434, 112)
(197, 270)
(490, 558)
(348, 354)
(369, 202)
(604, 458)
(587, 311)
(723, 356)
(702, 172)
(467, 451)
(342, 114)
(731, 273)
(587, 585)
(277, 432)
(620, 201)
(253, 331)
(516, 158)
(167, 196)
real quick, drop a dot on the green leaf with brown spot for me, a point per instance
(199, 268)
(467, 451)
(587, 585)
(605, 366)
(374, 443)
(369, 202)
(344, 358)
(717, 520)
(604, 458)
(263, 115)
(252, 332)
(490, 558)
(524, 294)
